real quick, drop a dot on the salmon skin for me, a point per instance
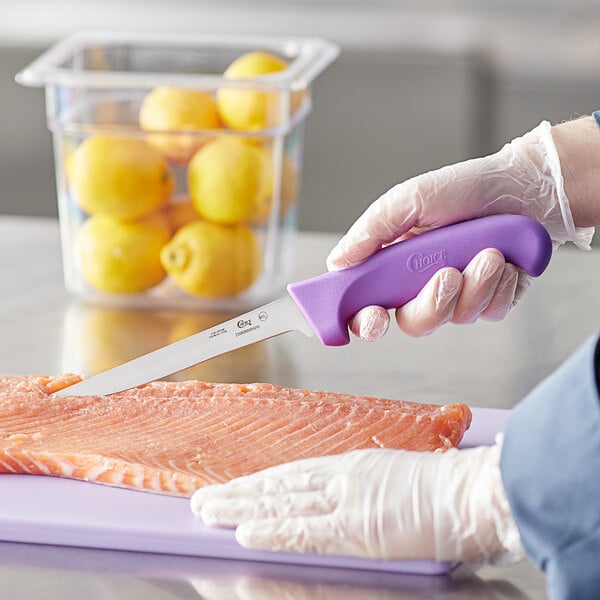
(174, 437)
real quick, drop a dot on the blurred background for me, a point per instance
(418, 84)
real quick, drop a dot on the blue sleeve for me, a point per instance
(596, 116)
(551, 472)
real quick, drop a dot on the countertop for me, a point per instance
(43, 330)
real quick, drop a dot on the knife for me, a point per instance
(322, 305)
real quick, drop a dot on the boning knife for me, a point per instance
(322, 305)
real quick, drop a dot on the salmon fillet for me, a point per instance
(174, 437)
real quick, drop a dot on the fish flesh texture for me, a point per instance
(174, 437)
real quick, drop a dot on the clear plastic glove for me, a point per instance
(386, 504)
(524, 177)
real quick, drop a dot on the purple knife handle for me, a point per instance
(397, 273)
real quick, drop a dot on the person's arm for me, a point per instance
(578, 146)
(550, 467)
(524, 177)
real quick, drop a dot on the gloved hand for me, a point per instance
(387, 504)
(524, 177)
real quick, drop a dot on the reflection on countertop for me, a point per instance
(97, 338)
(162, 577)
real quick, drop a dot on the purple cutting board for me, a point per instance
(64, 512)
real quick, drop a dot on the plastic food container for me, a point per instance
(178, 163)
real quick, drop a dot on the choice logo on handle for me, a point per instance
(419, 262)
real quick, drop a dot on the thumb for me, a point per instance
(385, 220)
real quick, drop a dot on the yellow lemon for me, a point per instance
(176, 110)
(211, 260)
(119, 177)
(250, 110)
(120, 257)
(230, 180)
(289, 193)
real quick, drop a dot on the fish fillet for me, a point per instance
(174, 437)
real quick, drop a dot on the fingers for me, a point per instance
(523, 283)
(370, 323)
(488, 289)
(504, 297)
(433, 306)
(219, 512)
(320, 534)
(480, 282)
(258, 495)
(299, 476)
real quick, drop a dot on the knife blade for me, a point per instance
(322, 305)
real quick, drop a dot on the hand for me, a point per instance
(386, 504)
(524, 177)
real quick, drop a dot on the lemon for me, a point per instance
(120, 257)
(175, 110)
(212, 260)
(249, 110)
(230, 180)
(289, 193)
(120, 177)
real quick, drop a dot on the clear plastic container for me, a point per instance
(177, 173)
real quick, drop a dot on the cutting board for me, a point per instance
(64, 512)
